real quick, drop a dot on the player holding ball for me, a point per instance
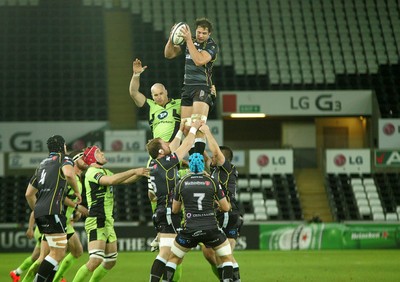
(197, 94)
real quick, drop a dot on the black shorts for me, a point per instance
(210, 238)
(163, 225)
(197, 93)
(230, 223)
(51, 224)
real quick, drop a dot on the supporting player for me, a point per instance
(196, 192)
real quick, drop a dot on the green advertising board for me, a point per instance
(325, 236)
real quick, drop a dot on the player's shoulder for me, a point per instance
(175, 102)
(92, 171)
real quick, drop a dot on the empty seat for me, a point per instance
(370, 187)
(255, 183)
(378, 216)
(358, 188)
(364, 210)
(372, 195)
(243, 183)
(257, 196)
(392, 217)
(270, 203)
(368, 181)
(244, 196)
(376, 209)
(248, 217)
(261, 216)
(374, 202)
(266, 183)
(272, 211)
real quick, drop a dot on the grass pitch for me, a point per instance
(357, 265)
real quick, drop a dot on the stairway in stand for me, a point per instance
(313, 198)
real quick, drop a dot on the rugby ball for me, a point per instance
(176, 34)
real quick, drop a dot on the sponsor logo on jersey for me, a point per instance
(162, 115)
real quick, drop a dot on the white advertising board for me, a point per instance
(298, 103)
(389, 133)
(125, 140)
(270, 161)
(348, 161)
(123, 159)
(32, 136)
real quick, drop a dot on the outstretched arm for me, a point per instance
(137, 97)
(213, 145)
(122, 177)
(138, 174)
(178, 137)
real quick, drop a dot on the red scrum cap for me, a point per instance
(89, 155)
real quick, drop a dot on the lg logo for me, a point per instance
(389, 129)
(340, 160)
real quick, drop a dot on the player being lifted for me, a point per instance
(200, 55)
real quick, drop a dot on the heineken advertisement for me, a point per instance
(324, 236)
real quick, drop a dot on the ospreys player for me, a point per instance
(226, 173)
(45, 195)
(200, 55)
(197, 192)
(163, 177)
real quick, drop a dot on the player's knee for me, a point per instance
(77, 251)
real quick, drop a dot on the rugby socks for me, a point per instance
(157, 269)
(46, 269)
(169, 272)
(227, 271)
(178, 273)
(219, 269)
(51, 276)
(30, 275)
(98, 274)
(236, 273)
(199, 145)
(82, 274)
(67, 262)
(24, 265)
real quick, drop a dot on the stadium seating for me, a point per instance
(371, 198)
(272, 45)
(272, 197)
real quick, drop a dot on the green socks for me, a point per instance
(67, 262)
(82, 274)
(178, 273)
(98, 274)
(25, 265)
(30, 275)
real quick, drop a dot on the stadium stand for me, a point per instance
(371, 197)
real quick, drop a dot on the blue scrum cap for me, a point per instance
(196, 162)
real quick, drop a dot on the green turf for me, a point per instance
(358, 265)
